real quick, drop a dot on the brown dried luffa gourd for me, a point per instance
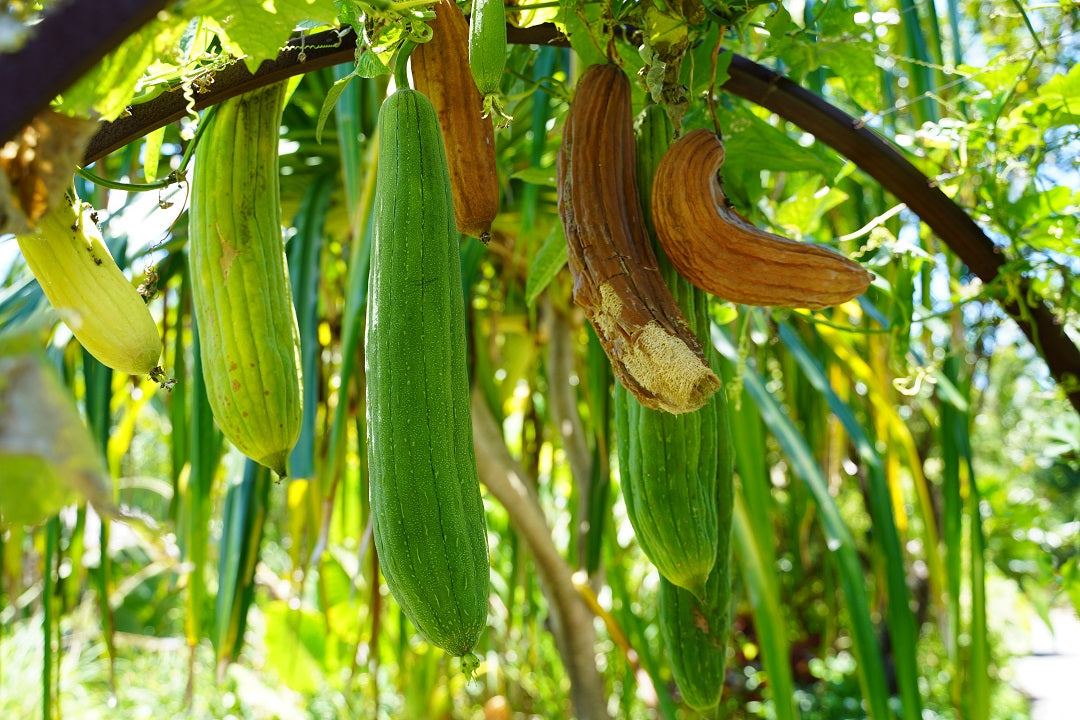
(617, 282)
(441, 72)
(719, 251)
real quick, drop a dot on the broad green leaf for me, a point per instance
(853, 63)
(547, 263)
(997, 76)
(522, 17)
(296, 646)
(109, 86)
(579, 20)
(370, 64)
(258, 30)
(1060, 96)
(801, 214)
(753, 145)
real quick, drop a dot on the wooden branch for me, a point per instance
(562, 402)
(749, 80)
(61, 48)
(573, 628)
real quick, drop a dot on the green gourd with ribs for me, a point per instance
(240, 284)
(695, 630)
(676, 473)
(668, 464)
(487, 51)
(425, 493)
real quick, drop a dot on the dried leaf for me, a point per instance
(38, 166)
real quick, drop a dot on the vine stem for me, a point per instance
(401, 64)
(174, 177)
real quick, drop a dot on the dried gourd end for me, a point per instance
(672, 375)
(664, 364)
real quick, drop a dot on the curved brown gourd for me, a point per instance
(716, 249)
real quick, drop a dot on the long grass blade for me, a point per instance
(180, 446)
(952, 521)
(303, 255)
(541, 114)
(979, 686)
(98, 393)
(359, 262)
(920, 63)
(901, 621)
(759, 577)
(635, 627)
(598, 370)
(244, 515)
(49, 666)
(972, 683)
(195, 506)
(841, 544)
(756, 546)
(899, 435)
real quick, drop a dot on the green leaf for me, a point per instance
(753, 145)
(524, 17)
(853, 62)
(296, 646)
(258, 30)
(839, 538)
(369, 64)
(577, 21)
(547, 263)
(537, 176)
(900, 620)
(1060, 96)
(330, 102)
(801, 213)
(152, 154)
(109, 87)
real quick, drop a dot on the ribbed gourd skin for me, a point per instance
(425, 494)
(441, 72)
(668, 463)
(243, 303)
(695, 631)
(724, 254)
(82, 281)
(487, 44)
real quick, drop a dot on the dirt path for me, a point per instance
(1050, 675)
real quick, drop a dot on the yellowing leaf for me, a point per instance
(48, 458)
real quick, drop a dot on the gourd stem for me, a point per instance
(401, 75)
(176, 176)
